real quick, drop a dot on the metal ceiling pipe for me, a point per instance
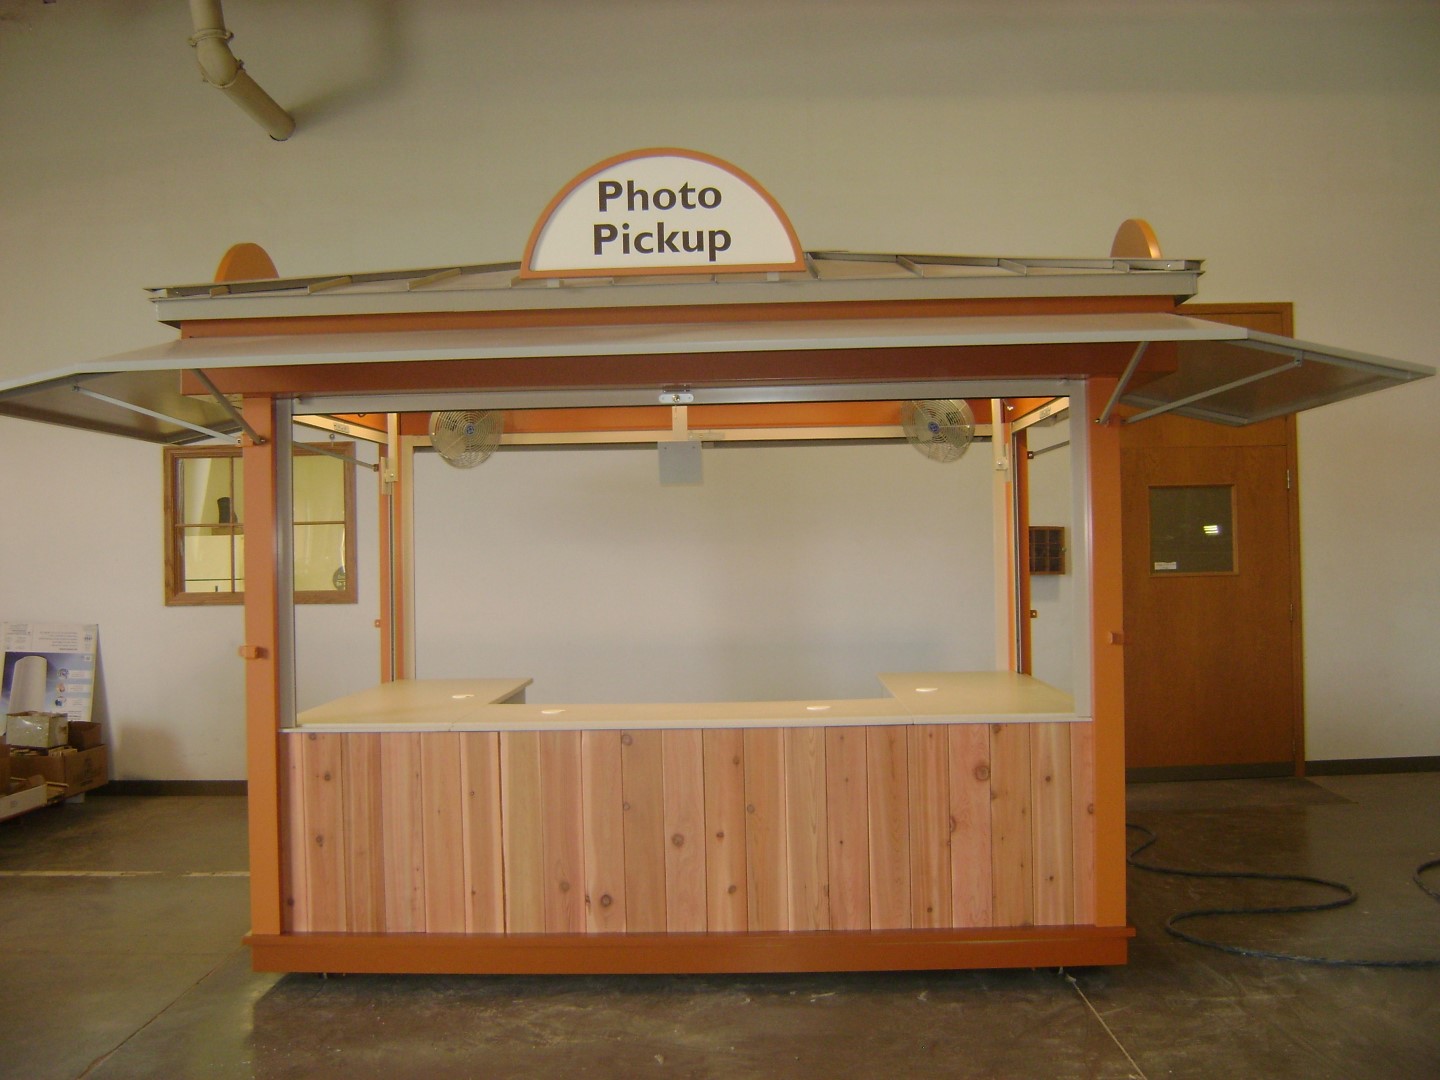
(222, 70)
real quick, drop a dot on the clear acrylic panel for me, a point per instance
(1192, 529)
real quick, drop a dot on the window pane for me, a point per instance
(1192, 530)
(319, 557)
(237, 481)
(209, 560)
(204, 550)
(319, 488)
(205, 491)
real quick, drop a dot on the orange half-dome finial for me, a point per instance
(1135, 239)
(245, 262)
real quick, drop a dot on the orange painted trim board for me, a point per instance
(653, 954)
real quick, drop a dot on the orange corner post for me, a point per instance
(262, 682)
(1108, 663)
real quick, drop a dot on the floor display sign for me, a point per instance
(49, 667)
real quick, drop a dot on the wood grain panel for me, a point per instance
(766, 862)
(325, 876)
(364, 834)
(404, 839)
(484, 856)
(1082, 810)
(1011, 826)
(602, 798)
(806, 837)
(1054, 831)
(726, 904)
(847, 826)
(971, 877)
(524, 852)
(443, 832)
(684, 830)
(295, 916)
(888, 774)
(1210, 658)
(929, 782)
(562, 831)
(643, 765)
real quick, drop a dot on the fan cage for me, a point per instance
(940, 429)
(465, 438)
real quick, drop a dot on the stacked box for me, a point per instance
(84, 734)
(67, 770)
(24, 795)
(38, 730)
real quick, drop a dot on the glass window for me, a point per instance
(1192, 529)
(205, 526)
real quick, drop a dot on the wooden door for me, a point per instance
(1212, 641)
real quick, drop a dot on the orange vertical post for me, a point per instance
(1108, 655)
(262, 681)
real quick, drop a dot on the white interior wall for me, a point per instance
(1292, 146)
(790, 572)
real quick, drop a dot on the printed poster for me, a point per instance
(49, 667)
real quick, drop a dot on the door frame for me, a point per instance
(1278, 318)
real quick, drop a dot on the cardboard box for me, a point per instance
(71, 771)
(40, 730)
(26, 795)
(84, 734)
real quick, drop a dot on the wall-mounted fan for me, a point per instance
(465, 438)
(939, 429)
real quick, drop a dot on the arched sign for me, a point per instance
(661, 211)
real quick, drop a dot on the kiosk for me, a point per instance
(951, 820)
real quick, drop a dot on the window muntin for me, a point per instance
(205, 526)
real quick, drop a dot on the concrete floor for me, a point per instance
(120, 919)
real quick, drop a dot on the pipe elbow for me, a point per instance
(218, 65)
(223, 70)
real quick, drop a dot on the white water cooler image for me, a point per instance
(27, 684)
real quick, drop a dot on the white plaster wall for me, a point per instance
(1293, 146)
(790, 572)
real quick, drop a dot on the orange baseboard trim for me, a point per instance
(655, 954)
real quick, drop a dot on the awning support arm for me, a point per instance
(1120, 386)
(1294, 362)
(155, 415)
(230, 410)
(349, 459)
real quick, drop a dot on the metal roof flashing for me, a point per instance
(830, 276)
(1211, 371)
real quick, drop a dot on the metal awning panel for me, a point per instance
(1224, 373)
(57, 401)
(1262, 376)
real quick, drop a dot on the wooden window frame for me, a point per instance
(177, 596)
(1040, 548)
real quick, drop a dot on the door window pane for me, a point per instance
(1192, 529)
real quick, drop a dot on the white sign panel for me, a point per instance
(49, 667)
(661, 211)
